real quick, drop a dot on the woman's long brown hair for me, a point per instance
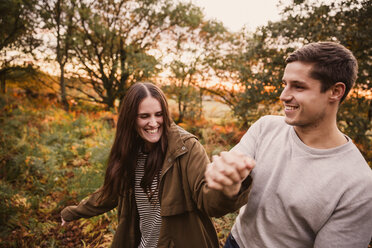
(120, 172)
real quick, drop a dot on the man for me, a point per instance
(311, 186)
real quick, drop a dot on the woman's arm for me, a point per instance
(213, 202)
(88, 207)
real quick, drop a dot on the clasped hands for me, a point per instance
(228, 171)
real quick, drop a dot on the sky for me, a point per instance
(238, 13)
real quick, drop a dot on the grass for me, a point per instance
(216, 111)
(213, 111)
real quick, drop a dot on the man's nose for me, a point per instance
(285, 95)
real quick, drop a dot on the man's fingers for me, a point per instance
(219, 177)
(249, 165)
(249, 162)
(228, 173)
(215, 174)
(234, 159)
(241, 163)
(238, 159)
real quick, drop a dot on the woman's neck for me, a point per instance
(148, 147)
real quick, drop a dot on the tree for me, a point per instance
(115, 42)
(58, 17)
(17, 22)
(189, 67)
(251, 67)
(182, 88)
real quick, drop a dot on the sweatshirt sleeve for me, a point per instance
(350, 226)
(213, 202)
(89, 207)
(250, 140)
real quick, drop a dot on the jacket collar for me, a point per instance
(176, 145)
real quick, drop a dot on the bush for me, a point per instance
(49, 158)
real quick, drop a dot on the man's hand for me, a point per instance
(228, 171)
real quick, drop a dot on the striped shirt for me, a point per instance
(149, 212)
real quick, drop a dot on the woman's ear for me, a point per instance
(337, 92)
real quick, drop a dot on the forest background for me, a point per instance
(65, 66)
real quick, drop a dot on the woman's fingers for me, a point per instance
(63, 221)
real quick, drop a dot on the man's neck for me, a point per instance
(321, 137)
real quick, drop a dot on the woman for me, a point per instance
(155, 176)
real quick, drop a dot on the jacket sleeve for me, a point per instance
(89, 207)
(214, 203)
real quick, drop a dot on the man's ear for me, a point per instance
(337, 92)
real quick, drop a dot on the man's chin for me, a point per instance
(289, 121)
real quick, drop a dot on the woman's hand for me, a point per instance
(63, 221)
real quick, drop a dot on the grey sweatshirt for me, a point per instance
(301, 196)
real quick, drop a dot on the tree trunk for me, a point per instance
(180, 112)
(3, 85)
(124, 73)
(63, 89)
(200, 102)
(109, 101)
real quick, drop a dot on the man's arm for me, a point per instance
(350, 226)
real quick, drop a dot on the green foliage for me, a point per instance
(354, 121)
(9, 212)
(185, 85)
(223, 226)
(344, 21)
(255, 67)
(47, 162)
(188, 100)
(17, 18)
(214, 136)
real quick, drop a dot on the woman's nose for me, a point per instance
(153, 121)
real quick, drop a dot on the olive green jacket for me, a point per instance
(185, 200)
